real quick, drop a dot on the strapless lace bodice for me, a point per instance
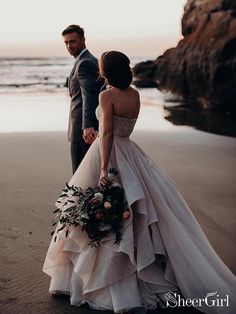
(123, 127)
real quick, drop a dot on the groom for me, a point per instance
(84, 87)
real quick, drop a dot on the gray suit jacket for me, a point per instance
(84, 87)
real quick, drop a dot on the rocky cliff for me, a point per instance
(202, 68)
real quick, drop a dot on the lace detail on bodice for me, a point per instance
(123, 127)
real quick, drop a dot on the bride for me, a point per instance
(164, 259)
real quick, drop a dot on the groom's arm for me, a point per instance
(88, 79)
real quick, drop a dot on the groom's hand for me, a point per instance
(89, 135)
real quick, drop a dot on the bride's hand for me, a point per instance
(104, 180)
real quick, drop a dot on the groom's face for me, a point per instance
(74, 43)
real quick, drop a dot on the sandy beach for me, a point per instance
(186, 48)
(34, 168)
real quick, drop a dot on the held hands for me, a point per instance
(104, 180)
(89, 135)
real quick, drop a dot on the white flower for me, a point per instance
(99, 196)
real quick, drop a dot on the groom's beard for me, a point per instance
(75, 54)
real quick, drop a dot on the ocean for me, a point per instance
(36, 74)
(35, 87)
(33, 74)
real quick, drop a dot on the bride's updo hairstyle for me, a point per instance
(114, 66)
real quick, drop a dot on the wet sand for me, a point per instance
(34, 168)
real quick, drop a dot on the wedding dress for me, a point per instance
(163, 249)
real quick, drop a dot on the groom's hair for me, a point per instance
(73, 29)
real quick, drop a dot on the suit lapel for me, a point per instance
(70, 76)
(73, 70)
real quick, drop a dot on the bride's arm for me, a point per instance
(107, 134)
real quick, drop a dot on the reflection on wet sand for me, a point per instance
(208, 121)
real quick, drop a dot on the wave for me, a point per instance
(35, 73)
(32, 62)
(32, 84)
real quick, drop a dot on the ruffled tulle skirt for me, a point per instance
(163, 249)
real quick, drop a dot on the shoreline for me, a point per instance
(19, 112)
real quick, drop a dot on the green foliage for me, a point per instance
(96, 211)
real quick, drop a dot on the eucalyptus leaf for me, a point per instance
(61, 228)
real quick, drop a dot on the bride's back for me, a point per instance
(126, 103)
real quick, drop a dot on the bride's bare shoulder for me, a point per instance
(106, 100)
(105, 94)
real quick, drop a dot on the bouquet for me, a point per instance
(98, 211)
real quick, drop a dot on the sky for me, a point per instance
(137, 27)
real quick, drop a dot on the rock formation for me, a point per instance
(202, 68)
